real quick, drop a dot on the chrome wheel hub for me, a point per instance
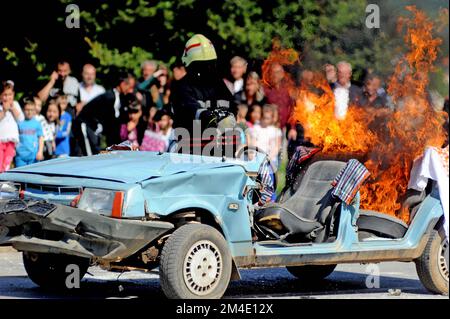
(202, 267)
(443, 259)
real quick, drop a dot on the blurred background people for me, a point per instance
(88, 88)
(10, 115)
(254, 116)
(178, 70)
(330, 74)
(63, 132)
(50, 127)
(253, 92)
(61, 82)
(370, 96)
(158, 133)
(345, 92)
(30, 148)
(237, 71)
(276, 92)
(104, 116)
(133, 130)
(266, 136)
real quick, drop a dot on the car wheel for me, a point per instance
(311, 273)
(49, 270)
(195, 263)
(432, 266)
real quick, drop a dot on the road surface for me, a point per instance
(396, 281)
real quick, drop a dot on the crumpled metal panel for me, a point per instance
(81, 233)
(126, 166)
(215, 190)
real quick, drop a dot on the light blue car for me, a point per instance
(194, 218)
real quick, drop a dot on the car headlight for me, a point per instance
(9, 190)
(102, 201)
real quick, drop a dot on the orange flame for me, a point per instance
(404, 134)
(279, 56)
(315, 110)
(388, 140)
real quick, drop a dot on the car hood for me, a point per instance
(130, 167)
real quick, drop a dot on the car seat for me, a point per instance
(386, 226)
(306, 215)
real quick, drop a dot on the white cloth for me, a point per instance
(433, 164)
(9, 131)
(86, 96)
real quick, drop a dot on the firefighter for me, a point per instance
(201, 102)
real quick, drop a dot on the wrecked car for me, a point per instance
(193, 218)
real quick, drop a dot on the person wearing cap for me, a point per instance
(201, 100)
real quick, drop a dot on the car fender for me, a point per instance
(234, 224)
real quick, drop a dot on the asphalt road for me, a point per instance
(396, 281)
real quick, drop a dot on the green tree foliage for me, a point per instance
(123, 33)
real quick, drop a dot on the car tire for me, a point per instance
(195, 263)
(311, 273)
(432, 266)
(49, 270)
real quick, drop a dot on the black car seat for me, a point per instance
(305, 214)
(380, 225)
(386, 226)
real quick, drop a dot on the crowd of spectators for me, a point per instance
(62, 119)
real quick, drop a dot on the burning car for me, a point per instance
(194, 218)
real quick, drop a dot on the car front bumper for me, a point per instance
(44, 227)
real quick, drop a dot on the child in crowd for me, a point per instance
(10, 115)
(31, 141)
(131, 131)
(254, 116)
(62, 137)
(50, 128)
(242, 122)
(38, 106)
(276, 115)
(157, 136)
(266, 136)
(164, 122)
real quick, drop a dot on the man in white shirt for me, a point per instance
(88, 88)
(238, 69)
(345, 92)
